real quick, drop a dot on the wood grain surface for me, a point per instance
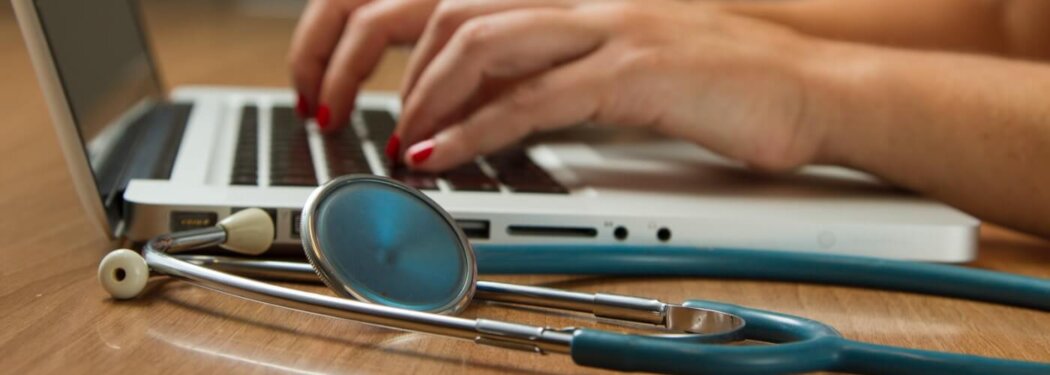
(54, 317)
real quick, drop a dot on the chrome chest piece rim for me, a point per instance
(329, 264)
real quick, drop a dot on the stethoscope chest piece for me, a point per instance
(379, 241)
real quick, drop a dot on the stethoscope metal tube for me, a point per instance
(689, 323)
(481, 331)
(634, 311)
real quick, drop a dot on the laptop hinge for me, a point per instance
(146, 149)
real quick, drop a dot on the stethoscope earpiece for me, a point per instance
(248, 232)
(123, 273)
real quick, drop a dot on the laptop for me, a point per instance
(147, 161)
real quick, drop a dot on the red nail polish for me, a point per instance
(393, 148)
(323, 116)
(419, 152)
(302, 108)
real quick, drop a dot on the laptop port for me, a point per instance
(269, 211)
(548, 231)
(186, 220)
(474, 229)
(663, 234)
(297, 221)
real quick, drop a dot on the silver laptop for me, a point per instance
(146, 161)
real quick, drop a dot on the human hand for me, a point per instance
(337, 45)
(734, 85)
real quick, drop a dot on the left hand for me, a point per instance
(734, 85)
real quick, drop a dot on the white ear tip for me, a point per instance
(248, 231)
(123, 273)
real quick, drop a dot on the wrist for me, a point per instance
(839, 80)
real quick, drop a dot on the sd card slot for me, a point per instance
(551, 231)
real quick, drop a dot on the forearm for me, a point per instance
(1004, 27)
(971, 131)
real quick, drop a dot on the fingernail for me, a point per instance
(393, 147)
(302, 108)
(323, 116)
(421, 151)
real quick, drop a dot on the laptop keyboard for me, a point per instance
(291, 163)
(470, 177)
(380, 125)
(290, 160)
(344, 153)
(515, 169)
(246, 160)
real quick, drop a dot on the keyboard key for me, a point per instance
(470, 177)
(380, 125)
(345, 167)
(245, 171)
(290, 161)
(246, 156)
(515, 169)
(418, 180)
(244, 179)
(545, 187)
(344, 154)
(297, 181)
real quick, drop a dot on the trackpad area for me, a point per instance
(665, 166)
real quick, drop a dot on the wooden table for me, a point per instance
(56, 318)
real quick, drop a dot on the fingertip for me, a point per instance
(306, 77)
(324, 117)
(393, 147)
(302, 107)
(419, 153)
(437, 154)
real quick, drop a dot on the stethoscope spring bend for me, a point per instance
(397, 260)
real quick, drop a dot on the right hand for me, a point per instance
(338, 44)
(690, 70)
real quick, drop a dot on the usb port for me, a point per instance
(269, 211)
(186, 220)
(297, 221)
(474, 229)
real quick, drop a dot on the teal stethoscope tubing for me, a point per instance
(810, 346)
(803, 345)
(925, 278)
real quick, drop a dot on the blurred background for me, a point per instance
(194, 42)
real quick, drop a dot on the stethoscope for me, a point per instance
(397, 260)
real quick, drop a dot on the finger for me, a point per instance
(564, 96)
(447, 18)
(512, 44)
(371, 28)
(314, 40)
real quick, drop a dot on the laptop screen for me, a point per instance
(107, 75)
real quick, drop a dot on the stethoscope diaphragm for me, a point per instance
(375, 240)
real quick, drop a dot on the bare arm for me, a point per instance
(1017, 28)
(971, 131)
